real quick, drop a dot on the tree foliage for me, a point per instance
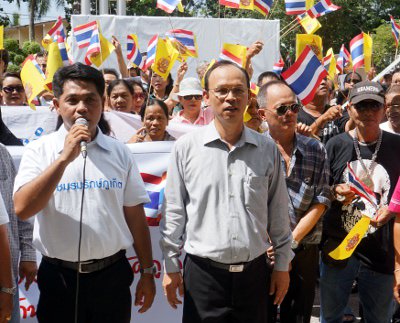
(17, 54)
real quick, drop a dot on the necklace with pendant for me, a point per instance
(366, 176)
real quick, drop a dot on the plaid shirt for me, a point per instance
(307, 183)
(19, 232)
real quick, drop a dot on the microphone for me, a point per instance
(83, 144)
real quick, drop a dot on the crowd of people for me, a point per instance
(258, 196)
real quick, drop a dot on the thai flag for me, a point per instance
(151, 52)
(63, 49)
(133, 52)
(83, 33)
(154, 186)
(305, 75)
(263, 6)
(167, 5)
(395, 30)
(278, 67)
(322, 8)
(357, 51)
(295, 7)
(327, 61)
(58, 28)
(94, 46)
(230, 3)
(358, 187)
(344, 57)
(185, 37)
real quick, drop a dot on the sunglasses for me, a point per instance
(138, 96)
(11, 89)
(363, 106)
(282, 109)
(197, 97)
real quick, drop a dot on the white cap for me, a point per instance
(190, 86)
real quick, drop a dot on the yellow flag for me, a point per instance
(106, 48)
(246, 115)
(314, 41)
(32, 80)
(332, 64)
(367, 52)
(46, 41)
(246, 4)
(180, 6)
(309, 4)
(310, 25)
(235, 53)
(165, 58)
(54, 62)
(208, 67)
(350, 243)
(1, 37)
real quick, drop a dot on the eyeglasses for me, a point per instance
(368, 105)
(282, 109)
(222, 93)
(197, 97)
(138, 96)
(11, 89)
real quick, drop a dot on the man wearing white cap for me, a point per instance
(190, 97)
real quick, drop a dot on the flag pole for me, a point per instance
(173, 32)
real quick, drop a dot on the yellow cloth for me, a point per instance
(106, 48)
(314, 41)
(367, 52)
(235, 53)
(310, 25)
(332, 65)
(166, 55)
(350, 243)
(246, 4)
(32, 80)
(1, 37)
(54, 62)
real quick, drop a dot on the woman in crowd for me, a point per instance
(139, 96)
(120, 96)
(155, 120)
(252, 119)
(12, 90)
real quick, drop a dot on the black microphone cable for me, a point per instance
(80, 239)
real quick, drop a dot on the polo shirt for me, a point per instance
(112, 181)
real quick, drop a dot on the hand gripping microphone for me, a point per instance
(83, 144)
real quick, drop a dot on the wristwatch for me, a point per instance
(150, 270)
(294, 244)
(11, 291)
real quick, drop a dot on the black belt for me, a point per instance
(89, 266)
(233, 268)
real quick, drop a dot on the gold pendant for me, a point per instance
(368, 181)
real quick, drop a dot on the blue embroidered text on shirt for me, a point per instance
(101, 183)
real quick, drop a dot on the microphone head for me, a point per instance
(82, 121)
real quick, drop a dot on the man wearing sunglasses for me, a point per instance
(190, 97)
(372, 155)
(307, 175)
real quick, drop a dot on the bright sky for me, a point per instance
(10, 8)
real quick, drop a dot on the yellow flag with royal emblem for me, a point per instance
(54, 62)
(33, 80)
(310, 25)
(313, 41)
(165, 59)
(350, 243)
(106, 48)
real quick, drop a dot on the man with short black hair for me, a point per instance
(225, 200)
(89, 210)
(373, 155)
